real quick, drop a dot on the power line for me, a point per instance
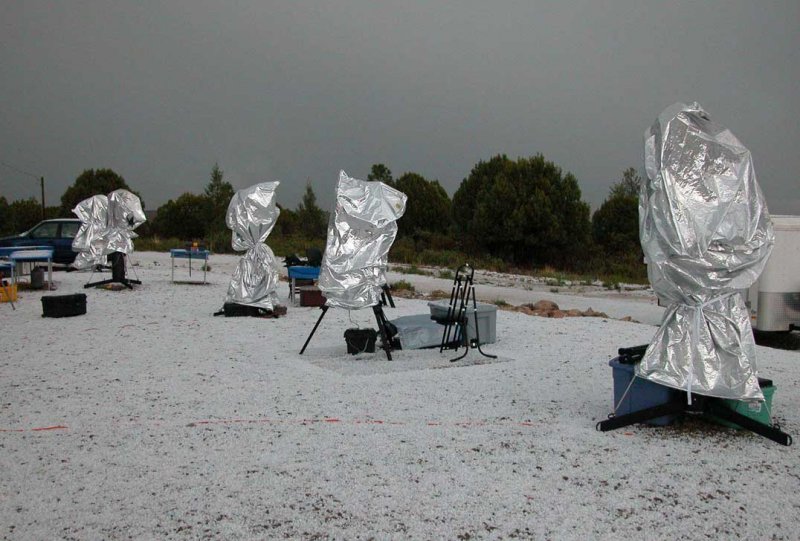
(18, 170)
(37, 177)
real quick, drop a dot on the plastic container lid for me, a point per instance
(783, 222)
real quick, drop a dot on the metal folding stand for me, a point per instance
(702, 405)
(380, 317)
(118, 275)
(456, 322)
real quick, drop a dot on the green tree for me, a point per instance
(5, 217)
(428, 206)
(615, 225)
(526, 211)
(312, 219)
(23, 214)
(465, 200)
(56, 212)
(288, 223)
(380, 173)
(629, 185)
(219, 194)
(184, 218)
(92, 182)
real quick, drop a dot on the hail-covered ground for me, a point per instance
(148, 418)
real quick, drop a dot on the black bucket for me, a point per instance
(360, 340)
(37, 278)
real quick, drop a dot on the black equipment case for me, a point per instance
(63, 305)
(232, 309)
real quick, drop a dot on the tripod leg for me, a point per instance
(619, 421)
(761, 429)
(100, 283)
(387, 347)
(324, 309)
(388, 292)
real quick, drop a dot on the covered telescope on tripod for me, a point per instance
(706, 236)
(360, 233)
(107, 232)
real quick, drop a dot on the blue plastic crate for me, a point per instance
(642, 394)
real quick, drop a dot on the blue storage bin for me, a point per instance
(643, 394)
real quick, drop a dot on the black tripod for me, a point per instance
(380, 317)
(118, 276)
(679, 404)
(386, 295)
(456, 322)
(382, 324)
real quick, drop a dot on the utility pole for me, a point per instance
(18, 170)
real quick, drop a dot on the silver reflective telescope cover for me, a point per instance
(252, 214)
(107, 225)
(124, 215)
(89, 240)
(360, 233)
(706, 235)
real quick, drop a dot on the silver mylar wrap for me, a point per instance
(706, 234)
(124, 215)
(361, 231)
(107, 225)
(89, 241)
(252, 214)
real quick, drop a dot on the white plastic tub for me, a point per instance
(775, 297)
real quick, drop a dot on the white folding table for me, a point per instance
(33, 256)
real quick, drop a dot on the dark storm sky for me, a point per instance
(297, 90)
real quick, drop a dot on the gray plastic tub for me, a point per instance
(487, 320)
(418, 332)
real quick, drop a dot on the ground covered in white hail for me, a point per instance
(148, 418)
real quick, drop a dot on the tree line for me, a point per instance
(524, 213)
(20, 215)
(521, 213)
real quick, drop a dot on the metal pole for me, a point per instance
(41, 179)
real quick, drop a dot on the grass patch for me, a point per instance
(221, 244)
(402, 285)
(439, 294)
(413, 269)
(610, 270)
(157, 244)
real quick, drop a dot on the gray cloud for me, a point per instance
(297, 90)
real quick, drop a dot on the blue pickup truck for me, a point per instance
(56, 233)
